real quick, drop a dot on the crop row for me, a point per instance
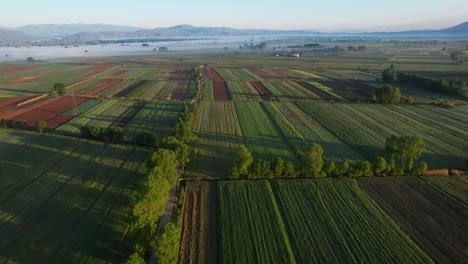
(157, 117)
(236, 74)
(331, 221)
(262, 135)
(85, 186)
(219, 132)
(431, 218)
(73, 126)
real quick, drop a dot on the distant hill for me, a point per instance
(90, 32)
(62, 30)
(461, 28)
(7, 35)
(184, 31)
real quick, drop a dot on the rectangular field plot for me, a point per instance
(251, 229)
(157, 117)
(262, 135)
(198, 241)
(236, 74)
(64, 199)
(433, 220)
(219, 132)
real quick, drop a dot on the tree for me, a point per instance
(40, 126)
(59, 88)
(361, 168)
(313, 160)
(117, 133)
(388, 75)
(330, 168)
(146, 138)
(457, 57)
(388, 95)
(242, 160)
(95, 132)
(259, 169)
(135, 258)
(380, 164)
(420, 169)
(405, 149)
(289, 170)
(167, 248)
(277, 167)
(30, 59)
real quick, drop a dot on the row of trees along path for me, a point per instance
(167, 217)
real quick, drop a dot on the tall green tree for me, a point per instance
(388, 95)
(388, 75)
(242, 160)
(313, 160)
(40, 125)
(167, 247)
(380, 164)
(405, 149)
(59, 88)
(277, 167)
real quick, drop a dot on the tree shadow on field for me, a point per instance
(67, 204)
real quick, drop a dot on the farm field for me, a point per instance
(198, 241)
(219, 132)
(266, 221)
(456, 186)
(433, 220)
(65, 199)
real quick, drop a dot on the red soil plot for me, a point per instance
(181, 91)
(14, 111)
(50, 111)
(114, 74)
(220, 91)
(22, 79)
(106, 84)
(260, 73)
(95, 69)
(13, 68)
(16, 101)
(211, 74)
(179, 74)
(261, 90)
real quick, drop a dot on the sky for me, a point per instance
(320, 15)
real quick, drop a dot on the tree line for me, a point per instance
(452, 87)
(402, 153)
(164, 167)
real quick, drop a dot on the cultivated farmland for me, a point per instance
(65, 199)
(433, 220)
(332, 221)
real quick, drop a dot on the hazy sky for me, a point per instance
(323, 15)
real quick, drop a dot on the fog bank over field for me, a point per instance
(15, 54)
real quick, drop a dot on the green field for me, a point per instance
(219, 132)
(65, 199)
(68, 200)
(331, 221)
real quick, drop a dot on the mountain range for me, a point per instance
(90, 32)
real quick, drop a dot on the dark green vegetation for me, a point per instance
(65, 199)
(332, 221)
(68, 199)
